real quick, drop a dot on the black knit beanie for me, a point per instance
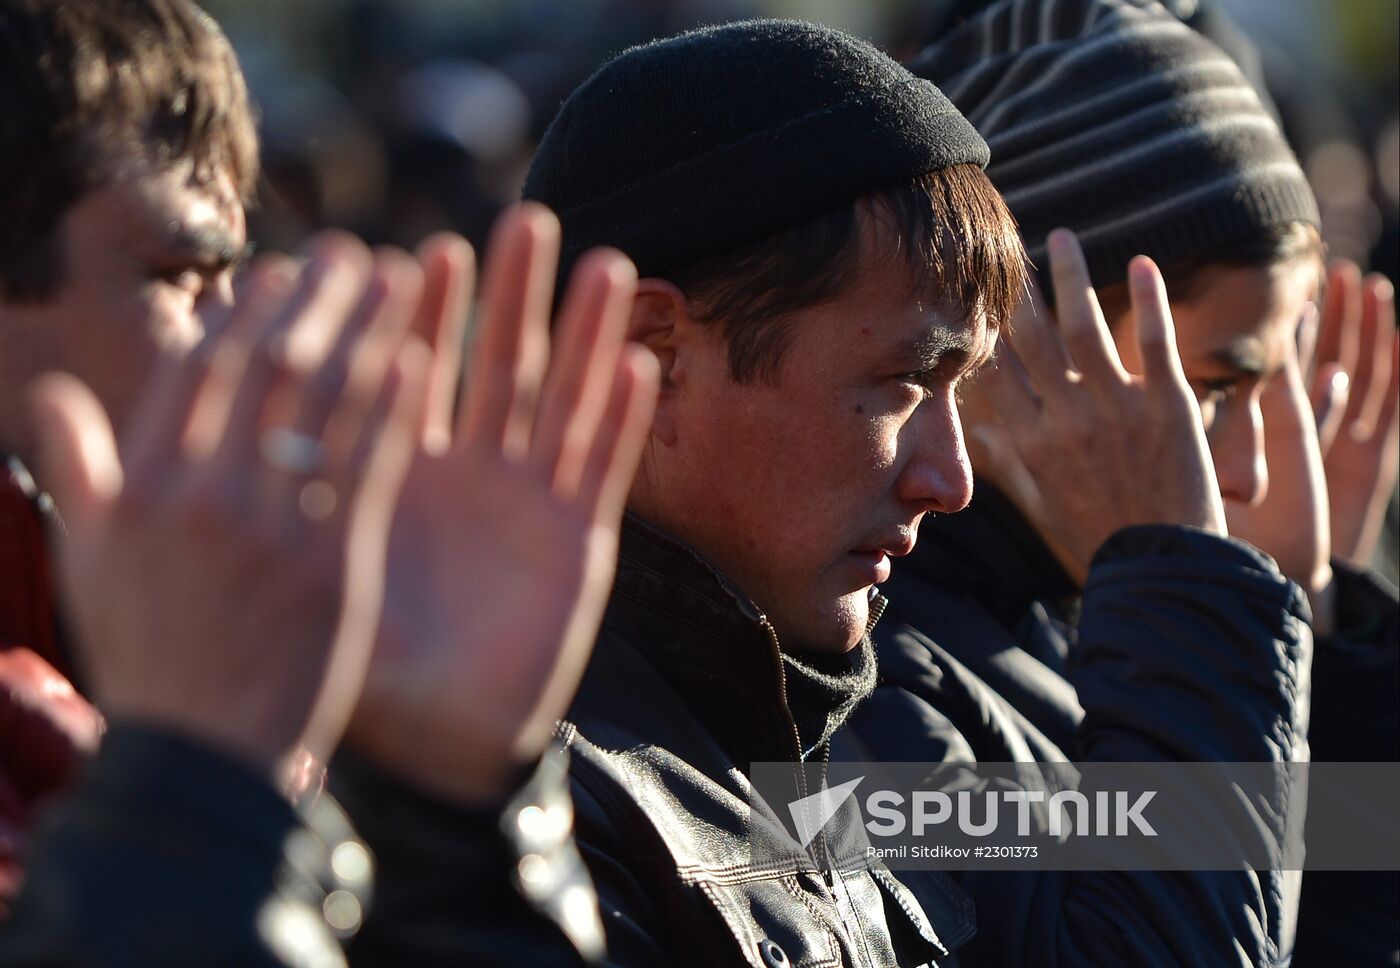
(687, 147)
(1114, 119)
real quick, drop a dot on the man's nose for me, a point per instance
(1237, 446)
(938, 474)
(215, 303)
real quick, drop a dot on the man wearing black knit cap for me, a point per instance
(822, 260)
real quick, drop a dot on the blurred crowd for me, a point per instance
(399, 118)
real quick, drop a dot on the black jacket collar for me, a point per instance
(719, 653)
(991, 551)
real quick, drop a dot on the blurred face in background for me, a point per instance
(1234, 330)
(145, 257)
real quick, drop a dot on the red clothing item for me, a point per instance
(47, 730)
(28, 614)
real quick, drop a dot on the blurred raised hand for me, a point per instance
(225, 565)
(1353, 367)
(503, 550)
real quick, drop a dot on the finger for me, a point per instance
(1036, 339)
(591, 333)
(388, 441)
(188, 398)
(1002, 462)
(77, 451)
(334, 399)
(1080, 319)
(1156, 330)
(1329, 402)
(449, 270)
(1373, 367)
(1306, 340)
(294, 341)
(512, 348)
(1341, 316)
(371, 487)
(1011, 392)
(622, 433)
(1388, 422)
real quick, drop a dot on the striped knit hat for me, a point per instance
(1114, 119)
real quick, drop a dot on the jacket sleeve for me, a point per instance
(1353, 917)
(168, 853)
(47, 732)
(629, 914)
(459, 885)
(1191, 647)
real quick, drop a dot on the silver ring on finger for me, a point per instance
(298, 454)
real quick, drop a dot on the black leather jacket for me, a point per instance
(1182, 647)
(686, 688)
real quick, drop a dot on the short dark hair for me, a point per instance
(1279, 244)
(955, 233)
(90, 83)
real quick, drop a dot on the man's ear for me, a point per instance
(659, 318)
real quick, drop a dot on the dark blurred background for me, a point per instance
(398, 117)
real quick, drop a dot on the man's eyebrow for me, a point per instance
(1245, 360)
(942, 343)
(937, 343)
(211, 247)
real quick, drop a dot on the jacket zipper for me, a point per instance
(798, 764)
(823, 855)
(878, 604)
(783, 699)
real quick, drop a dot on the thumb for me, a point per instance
(993, 451)
(77, 450)
(1330, 391)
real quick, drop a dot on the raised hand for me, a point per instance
(1084, 447)
(1291, 522)
(225, 566)
(1355, 389)
(503, 550)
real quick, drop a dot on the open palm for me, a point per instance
(503, 549)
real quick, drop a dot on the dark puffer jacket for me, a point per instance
(1183, 647)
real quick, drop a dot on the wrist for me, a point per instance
(228, 736)
(1322, 599)
(482, 778)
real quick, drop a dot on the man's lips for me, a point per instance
(896, 546)
(875, 560)
(874, 566)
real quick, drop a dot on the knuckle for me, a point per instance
(1080, 430)
(136, 504)
(210, 511)
(1034, 449)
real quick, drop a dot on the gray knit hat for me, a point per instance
(1114, 119)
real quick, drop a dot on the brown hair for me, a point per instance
(1279, 245)
(956, 235)
(92, 83)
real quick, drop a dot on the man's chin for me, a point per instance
(837, 628)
